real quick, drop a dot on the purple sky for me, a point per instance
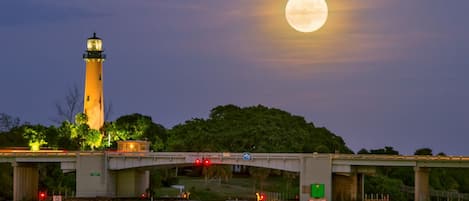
(379, 73)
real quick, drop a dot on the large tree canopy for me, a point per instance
(137, 127)
(253, 129)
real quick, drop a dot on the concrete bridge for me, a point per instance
(121, 174)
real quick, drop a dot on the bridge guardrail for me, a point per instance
(399, 157)
(48, 153)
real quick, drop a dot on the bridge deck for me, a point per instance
(237, 158)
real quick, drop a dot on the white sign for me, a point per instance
(56, 198)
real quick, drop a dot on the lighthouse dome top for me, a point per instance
(94, 36)
(94, 43)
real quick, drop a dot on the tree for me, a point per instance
(424, 151)
(253, 129)
(230, 128)
(387, 150)
(36, 136)
(52, 178)
(80, 129)
(6, 170)
(65, 139)
(217, 171)
(94, 139)
(137, 127)
(81, 134)
(8, 122)
(289, 177)
(380, 184)
(72, 104)
(108, 111)
(363, 151)
(260, 175)
(13, 138)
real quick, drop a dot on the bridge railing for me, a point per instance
(36, 153)
(212, 155)
(398, 157)
(45, 154)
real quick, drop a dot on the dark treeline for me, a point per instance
(391, 179)
(228, 128)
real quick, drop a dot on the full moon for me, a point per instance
(306, 15)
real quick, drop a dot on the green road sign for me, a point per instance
(317, 190)
(95, 174)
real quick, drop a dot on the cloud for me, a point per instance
(350, 36)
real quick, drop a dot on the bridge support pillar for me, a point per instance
(315, 170)
(421, 191)
(132, 182)
(346, 187)
(360, 187)
(93, 177)
(25, 181)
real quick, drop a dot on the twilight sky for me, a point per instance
(379, 73)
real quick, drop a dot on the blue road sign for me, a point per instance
(247, 156)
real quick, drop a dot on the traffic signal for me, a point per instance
(260, 196)
(205, 162)
(198, 162)
(185, 195)
(42, 195)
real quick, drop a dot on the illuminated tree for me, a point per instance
(36, 136)
(94, 139)
(81, 133)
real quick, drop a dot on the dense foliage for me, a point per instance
(253, 129)
(392, 179)
(137, 127)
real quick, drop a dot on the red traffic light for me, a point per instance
(206, 162)
(260, 196)
(198, 162)
(42, 195)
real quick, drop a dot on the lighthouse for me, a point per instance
(93, 96)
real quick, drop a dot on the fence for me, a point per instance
(438, 195)
(448, 196)
(377, 197)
